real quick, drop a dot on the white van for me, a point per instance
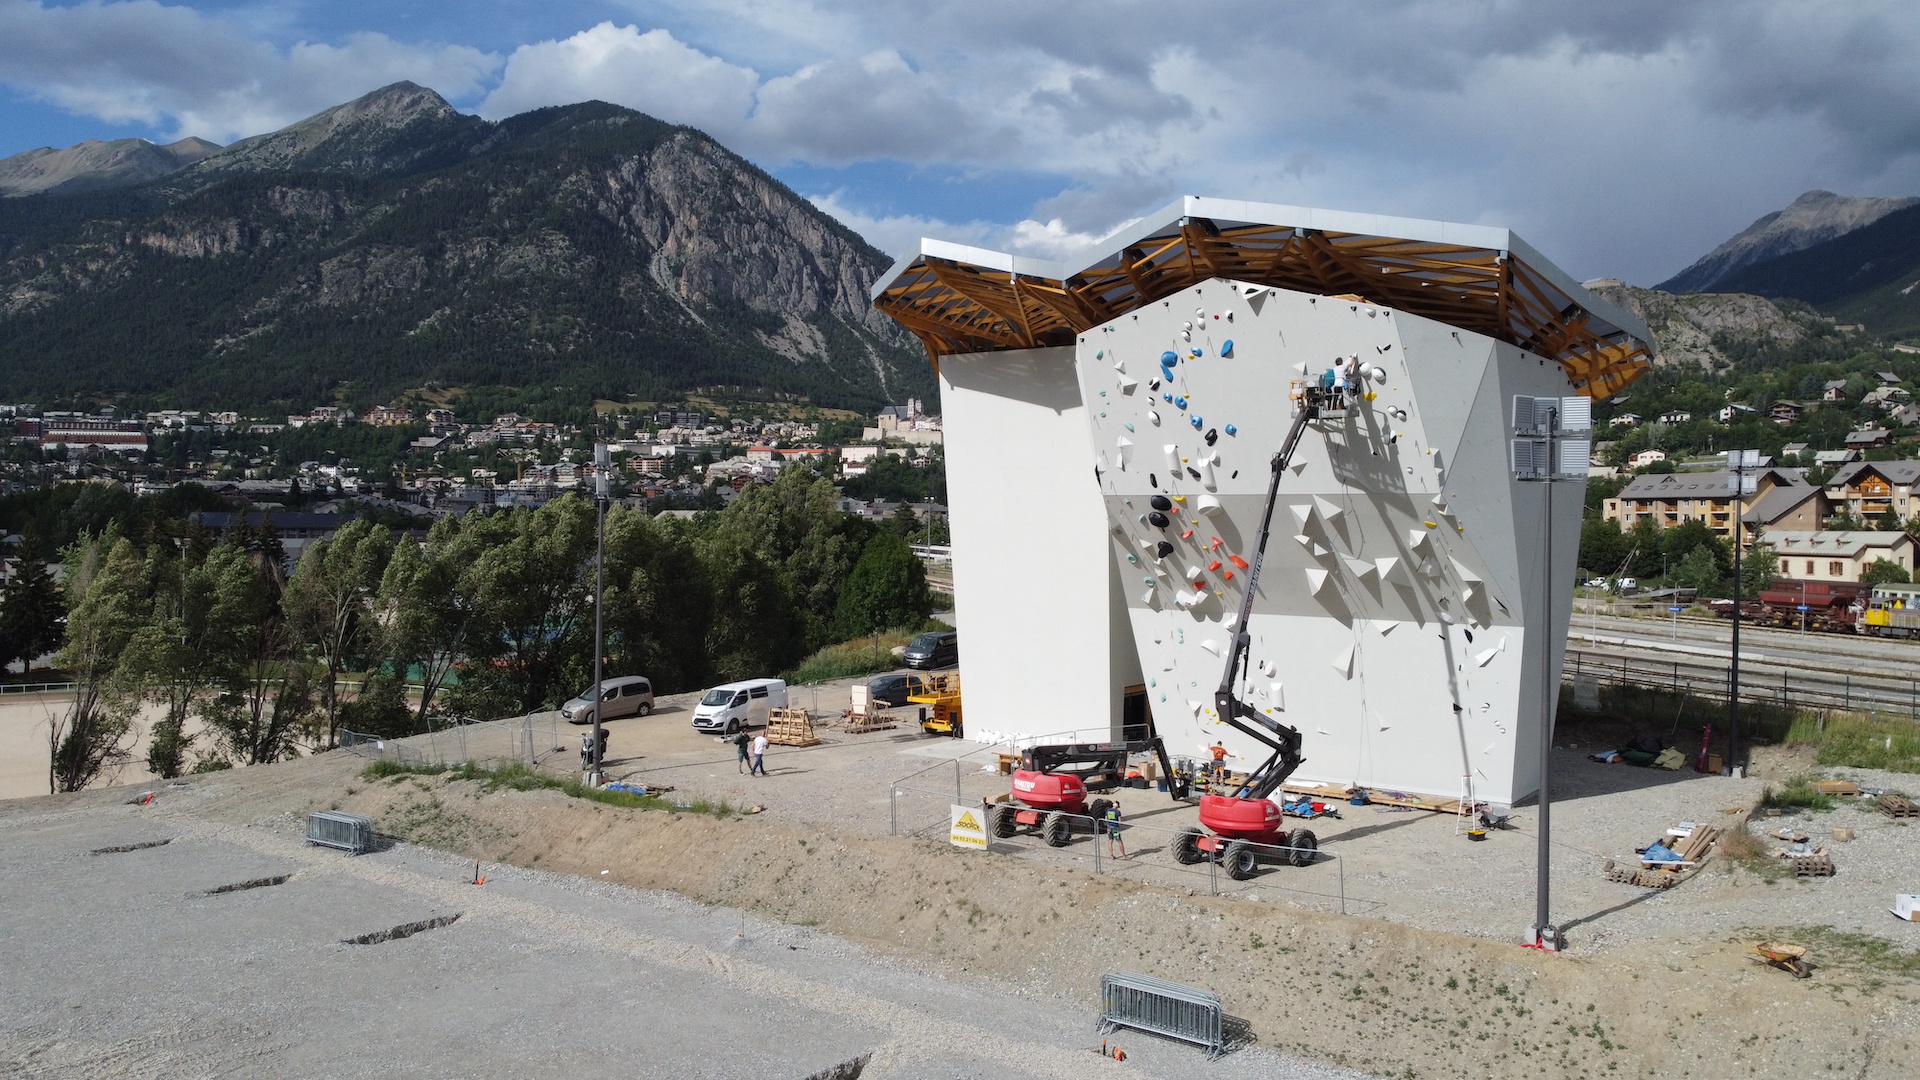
(727, 709)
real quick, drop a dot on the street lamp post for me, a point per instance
(1543, 452)
(602, 493)
(1739, 485)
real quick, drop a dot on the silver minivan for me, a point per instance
(727, 709)
(628, 695)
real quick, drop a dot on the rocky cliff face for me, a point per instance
(587, 245)
(1684, 326)
(92, 165)
(1813, 218)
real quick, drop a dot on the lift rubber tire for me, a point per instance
(1097, 810)
(1304, 847)
(1057, 829)
(1186, 847)
(1000, 821)
(1241, 860)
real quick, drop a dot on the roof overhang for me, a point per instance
(961, 299)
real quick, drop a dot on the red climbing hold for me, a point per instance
(1237, 561)
(1188, 535)
(1214, 565)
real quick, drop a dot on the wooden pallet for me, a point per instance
(1818, 864)
(1898, 806)
(867, 714)
(791, 727)
(1694, 849)
(1341, 794)
(1641, 876)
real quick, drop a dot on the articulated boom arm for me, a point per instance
(1284, 740)
(1102, 765)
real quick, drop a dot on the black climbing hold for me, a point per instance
(1153, 481)
(1162, 550)
(1159, 520)
(1161, 502)
(1235, 476)
(1193, 472)
(1153, 384)
(1469, 634)
(1213, 436)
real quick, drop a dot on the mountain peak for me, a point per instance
(393, 129)
(93, 164)
(1815, 217)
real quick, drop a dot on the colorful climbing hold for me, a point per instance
(1188, 535)
(1179, 402)
(1169, 358)
(1231, 430)
(1237, 561)
(1214, 565)
(1128, 425)
(1226, 347)
(1195, 421)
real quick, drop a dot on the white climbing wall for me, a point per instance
(1399, 623)
(1044, 644)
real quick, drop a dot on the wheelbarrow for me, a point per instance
(1791, 959)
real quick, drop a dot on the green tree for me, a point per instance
(1757, 570)
(31, 615)
(179, 652)
(328, 598)
(1698, 570)
(796, 526)
(266, 695)
(527, 576)
(105, 606)
(1603, 547)
(421, 618)
(659, 603)
(887, 589)
(1884, 572)
(754, 629)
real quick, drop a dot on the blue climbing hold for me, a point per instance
(1129, 425)
(1226, 347)
(1167, 396)
(1231, 430)
(1194, 354)
(1168, 359)
(1180, 402)
(1196, 420)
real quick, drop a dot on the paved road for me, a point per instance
(121, 965)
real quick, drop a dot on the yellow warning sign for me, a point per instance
(967, 832)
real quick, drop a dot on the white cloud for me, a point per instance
(168, 66)
(898, 234)
(652, 72)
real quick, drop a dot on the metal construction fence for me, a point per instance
(1173, 1009)
(533, 739)
(1705, 676)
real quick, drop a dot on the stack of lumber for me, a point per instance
(1695, 848)
(867, 714)
(1374, 796)
(791, 727)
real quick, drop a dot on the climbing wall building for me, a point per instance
(1111, 422)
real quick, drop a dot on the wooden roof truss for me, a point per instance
(955, 307)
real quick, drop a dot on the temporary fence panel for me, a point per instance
(348, 832)
(1173, 1009)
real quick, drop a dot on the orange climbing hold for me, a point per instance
(1214, 565)
(1237, 561)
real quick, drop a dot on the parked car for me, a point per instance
(933, 650)
(895, 689)
(730, 708)
(627, 695)
(1596, 583)
(1627, 584)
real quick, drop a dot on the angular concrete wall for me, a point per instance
(1043, 648)
(1402, 624)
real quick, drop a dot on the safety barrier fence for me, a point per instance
(1759, 682)
(920, 803)
(533, 739)
(1172, 1009)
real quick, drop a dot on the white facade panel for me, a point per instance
(1042, 648)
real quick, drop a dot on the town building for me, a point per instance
(1869, 489)
(1782, 498)
(1835, 555)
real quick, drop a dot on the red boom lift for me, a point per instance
(1234, 824)
(1050, 786)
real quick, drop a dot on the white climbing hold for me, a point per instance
(1268, 667)
(1208, 505)
(1343, 662)
(1173, 457)
(1484, 658)
(1193, 706)
(1416, 537)
(1128, 384)
(1316, 578)
(1383, 627)
(1277, 694)
(1300, 368)
(1211, 646)
(1147, 599)
(1305, 540)
(1194, 573)
(1319, 552)
(1328, 511)
(1302, 513)
(1357, 567)
(1465, 574)
(1206, 476)
(1125, 452)
(1388, 568)
(1153, 418)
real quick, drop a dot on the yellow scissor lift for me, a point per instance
(942, 693)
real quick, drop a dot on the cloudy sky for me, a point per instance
(1623, 138)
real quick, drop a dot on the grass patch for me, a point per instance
(852, 659)
(1796, 794)
(1833, 948)
(516, 776)
(1861, 742)
(1677, 717)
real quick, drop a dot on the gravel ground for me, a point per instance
(121, 965)
(1415, 868)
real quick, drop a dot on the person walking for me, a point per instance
(740, 745)
(759, 755)
(1114, 825)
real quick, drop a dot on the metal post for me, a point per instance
(1545, 934)
(956, 781)
(1737, 462)
(602, 462)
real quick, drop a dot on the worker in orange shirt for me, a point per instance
(1219, 753)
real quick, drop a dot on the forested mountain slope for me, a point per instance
(393, 241)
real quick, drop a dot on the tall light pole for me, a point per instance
(602, 493)
(1543, 452)
(1739, 485)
